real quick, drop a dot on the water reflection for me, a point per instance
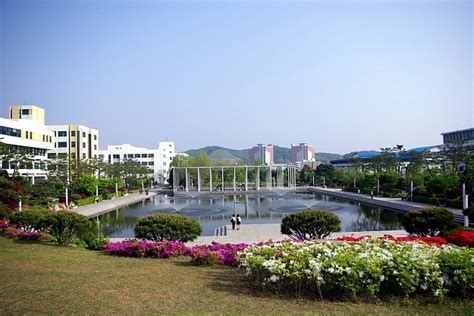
(213, 211)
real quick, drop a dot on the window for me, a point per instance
(95, 147)
(62, 155)
(116, 156)
(62, 144)
(164, 156)
(164, 163)
(137, 155)
(51, 156)
(83, 145)
(5, 165)
(62, 134)
(73, 144)
(151, 155)
(151, 163)
(50, 139)
(10, 131)
(25, 112)
(143, 163)
(171, 152)
(84, 156)
(95, 137)
(130, 155)
(144, 155)
(73, 133)
(83, 134)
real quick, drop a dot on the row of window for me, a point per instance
(27, 150)
(129, 156)
(10, 131)
(38, 165)
(64, 155)
(73, 145)
(459, 136)
(73, 134)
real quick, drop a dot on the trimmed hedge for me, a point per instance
(66, 226)
(160, 227)
(310, 224)
(428, 222)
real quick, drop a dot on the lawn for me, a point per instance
(46, 279)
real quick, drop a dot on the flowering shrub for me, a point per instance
(32, 236)
(216, 253)
(366, 268)
(429, 240)
(461, 237)
(144, 248)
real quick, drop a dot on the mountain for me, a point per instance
(282, 154)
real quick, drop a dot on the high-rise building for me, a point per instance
(74, 141)
(302, 153)
(262, 153)
(156, 160)
(27, 141)
(464, 137)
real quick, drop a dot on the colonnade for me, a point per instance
(193, 178)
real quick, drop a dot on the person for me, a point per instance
(232, 221)
(239, 221)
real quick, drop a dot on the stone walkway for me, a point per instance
(254, 233)
(103, 207)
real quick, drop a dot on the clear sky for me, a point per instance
(342, 75)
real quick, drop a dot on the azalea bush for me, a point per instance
(428, 240)
(461, 237)
(146, 249)
(216, 253)
(366, 268)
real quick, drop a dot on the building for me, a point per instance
(27, 140)
(74, 141)
(463, 136)
(302, 153)
(156, 160)
(262, 154)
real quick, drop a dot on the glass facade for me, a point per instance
(10, 131)
(458, 137)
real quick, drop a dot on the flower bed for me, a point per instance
(366, 268)
(462, 237)
(14, 231)
(429, 240)
(144, 248)
(216, 253)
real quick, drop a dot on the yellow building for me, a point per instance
(25, 134)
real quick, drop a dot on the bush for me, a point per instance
(215, 253)
(5, 211)
(469, 212)
(32, 219)
(75, 197)
(453, 203)
(461, 237)
(428, 222)
(65, 226)
(310, 224)
(146, 249)
(88, 232)
(425, 199)
(369, 268)
(98, 243)
(159, 227)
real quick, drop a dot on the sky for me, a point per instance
(341, 75)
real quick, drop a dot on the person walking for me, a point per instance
(239, 221)
(232, 221)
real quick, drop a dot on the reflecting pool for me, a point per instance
(213, 211)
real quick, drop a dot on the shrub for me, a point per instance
(98, 243)
(75, 197)
(425, 199)
(32, 236)
(65, 226)
(310, 224)
(469, 212)
(461, 237)
(88, 232)
(32, 219)
(159, 227)
(216, 253)
(5, 211)
(428, 222)
(368, 268)
(145, 248)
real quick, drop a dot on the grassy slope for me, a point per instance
(40, 279)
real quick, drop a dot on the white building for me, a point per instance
(157, 160)
(25, 132)
(77, 141)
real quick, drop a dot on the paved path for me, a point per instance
(103, 207)
(396, 204)
(254, 233)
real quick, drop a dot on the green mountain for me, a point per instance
(282, 154)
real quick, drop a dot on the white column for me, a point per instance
(269, 178)
(187, 179)
(210, 179)
(234, 181)
(246, 178)
(222, 178)
(199, 179)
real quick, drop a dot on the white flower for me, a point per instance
(274, 278)
(382, 277)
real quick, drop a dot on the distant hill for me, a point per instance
(282, 154)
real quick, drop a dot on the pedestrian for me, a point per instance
(232, 221)
(239, 221)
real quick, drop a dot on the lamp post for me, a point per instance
(20, 205)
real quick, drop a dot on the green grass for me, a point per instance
(46, 279)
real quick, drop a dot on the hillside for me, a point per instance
(282, 154)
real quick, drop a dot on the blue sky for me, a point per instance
(342, 75)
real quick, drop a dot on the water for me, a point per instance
(213, 211)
